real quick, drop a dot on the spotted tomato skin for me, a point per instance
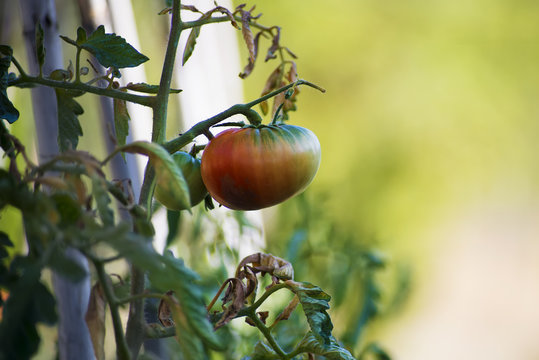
(256, 167)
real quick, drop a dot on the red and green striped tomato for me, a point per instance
(190, 167)
(256, 167)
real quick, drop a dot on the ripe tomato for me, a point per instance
(255, 167)
(190, 167)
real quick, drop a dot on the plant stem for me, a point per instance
(116, 94)
(266, 294)
(136, 323)
(244, 109)
(122, 351)
(77, 65)
(267, 334)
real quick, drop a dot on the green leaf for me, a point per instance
(112, 50)
(40, 48)
(69, 128)
(173, 221)
(315, 302)
(68, 208)
(190, 44)
(190, 344)
(81, 36)
(331, 350)
(374, 349)
(102, 199)
(4, 242)
(262, 351)
(7, 110)
(121, 121)
(167, 273)
(29, 303)
(168, 175)
(147, 88)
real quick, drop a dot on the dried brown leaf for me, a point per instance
(95, 320)
(292, 74)
(288, 310)
(274, 45)
(251, 63)
(235, 295)
(271, 84)
(248, 34)
(278, 100)
(290, 53)
(164, 312)
(190, 8)
(167, 10)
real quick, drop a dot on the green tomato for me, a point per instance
(190, 168)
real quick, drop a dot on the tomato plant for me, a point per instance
(190, 168)
(259, 166)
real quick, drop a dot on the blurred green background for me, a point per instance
(429, 132)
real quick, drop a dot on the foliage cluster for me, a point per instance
(68, 206)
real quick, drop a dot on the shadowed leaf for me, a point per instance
(95, 320)
(169, 176)
(331, 350)
(190, 44)
(315, 302)
(147, 88)
(121, 121)
(69, 129)
(7, 110)
(102, 199)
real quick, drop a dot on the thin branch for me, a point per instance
(122, 351)
(244, 109)
(267, 334)
(23, 80)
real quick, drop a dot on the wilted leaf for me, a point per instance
(315, 302)
(95, 320)
(168, 175)
(190, 344)
(7, 110)
(251, 61)
(274, 45)
(190, 44)
(121, 121)
(331, 350)
(69, 128)
(112, 50)
(233, 301)
(164, 312)
(40, 49)
(288, 310)
(271, 84)
(278, 100)
(147, 88)
(248, 34)
(168, 273)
